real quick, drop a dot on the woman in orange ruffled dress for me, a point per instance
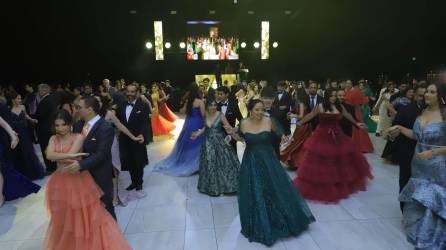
(78, 219)
(163, 108)
(360, 137)
(160, 125)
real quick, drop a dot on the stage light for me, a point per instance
(167, 45)
(158, 31)
(264, 52)
(243, 45)
(149, 45)
(275, 44)
(182, 45)
(256, 45)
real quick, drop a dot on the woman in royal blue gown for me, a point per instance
(184, 158)
(13, 185)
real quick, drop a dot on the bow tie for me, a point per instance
(224, 104)
(130, 104)
(279, 93)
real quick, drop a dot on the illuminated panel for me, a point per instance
(265, 41)
(158, 29)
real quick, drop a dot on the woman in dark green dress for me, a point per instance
(270, 206)
(365, 108)
(219, 165)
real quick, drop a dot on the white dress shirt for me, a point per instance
(224, 107)
(92, 122)
(129, 109)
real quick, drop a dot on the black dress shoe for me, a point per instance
(131, 187)
(139, 188)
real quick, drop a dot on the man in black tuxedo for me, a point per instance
(345, 124)
(268, 97)
(312, 101)
(404, 146)
(283, 102)
(98, 141)
(228, 107)
(46, 109)
(133, 114)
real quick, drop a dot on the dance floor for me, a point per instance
(175, 216)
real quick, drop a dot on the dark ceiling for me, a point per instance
(76, 40)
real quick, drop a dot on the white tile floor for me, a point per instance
(174, 216)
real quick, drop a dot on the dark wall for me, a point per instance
(78, 40)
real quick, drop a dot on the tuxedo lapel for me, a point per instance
(135, 108)
(93, 129)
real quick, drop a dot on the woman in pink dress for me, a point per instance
(78, 219)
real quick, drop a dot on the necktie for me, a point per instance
(85, 129)
(312, 104)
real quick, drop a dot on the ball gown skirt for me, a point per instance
(365, 113)
(293, 154)
(160, 126)
(219, 164)
(78, 219)
(424, 196)
(270, 207)
(332, 167)
(184, 158)
(167, 113)
(15, 184)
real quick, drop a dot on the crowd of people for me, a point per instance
(88, 137)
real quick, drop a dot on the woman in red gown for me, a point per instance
(332, 167)
(163, 108)
(360, 137)
(293, 154)
(78, 219)
(160, 125)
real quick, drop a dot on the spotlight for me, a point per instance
(167, 45)
(256, 45)
(243, 45)
(182, 45)
(275, 44)
(149, 45)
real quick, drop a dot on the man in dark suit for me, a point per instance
(345, 124)
(98, 135)
(312, 101)
(133, 114)
(283, 101)
(268, 96)
(404, 146)
(228, 107)
(46, 109)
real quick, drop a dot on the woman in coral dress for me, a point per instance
(160, 125)
(293, 154)
(360, 137)
(164, 110)
(332, 167)
(78, 219)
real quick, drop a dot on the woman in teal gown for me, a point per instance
(424, 196)
(365, 108)
(270, 206)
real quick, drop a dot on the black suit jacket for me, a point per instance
(137, 124)
(405, 146)
(315, 121)
(46, 109)
(232, 112)
(98, 145)
(345, 124)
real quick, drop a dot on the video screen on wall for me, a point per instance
(210, 40)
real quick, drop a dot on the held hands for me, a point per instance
(78, 155)
(139, 139)
(426, 155)
(228, 140)
(194, 135)
(72, 167)
(393, 131)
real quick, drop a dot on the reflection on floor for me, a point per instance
(174, 216)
